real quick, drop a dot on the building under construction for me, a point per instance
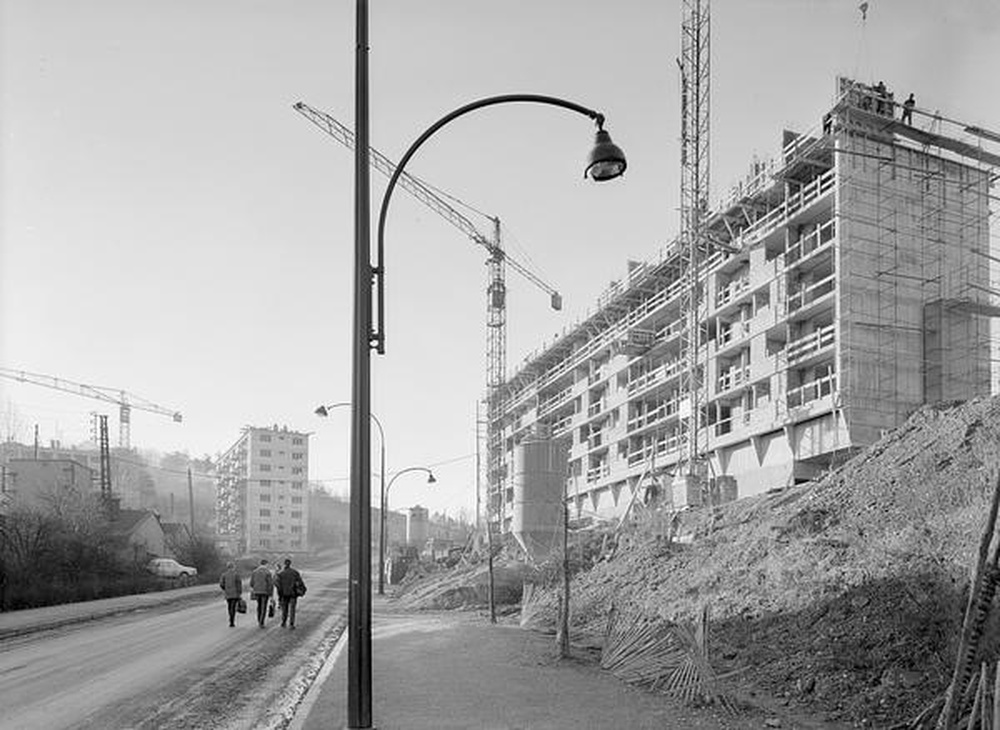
(842, 285)
(262, 501)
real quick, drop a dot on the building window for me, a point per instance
(265, 452)
(296, 455)
(265, 437)
(264, 542)
(265, 467)
(296, 441)
(296, 543)
(297, 514)
(265, 527)
(265, 513)
(265, 498)
(297, 529)
(296, 470)
(296, 485)
(265, 482)
(296, 500)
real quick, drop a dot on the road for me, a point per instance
(178, 665)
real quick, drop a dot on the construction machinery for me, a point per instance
(123, 399)
(496, 290)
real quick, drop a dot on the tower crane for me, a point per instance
(695, 77)
(122, 398)
(496, 290)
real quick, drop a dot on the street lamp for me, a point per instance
(325, 411)
(385, 499)
(605, 162)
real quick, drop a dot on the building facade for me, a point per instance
(842, 285)
(262, 500)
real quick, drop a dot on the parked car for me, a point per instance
(170, 568)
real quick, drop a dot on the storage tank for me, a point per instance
(416, 526)
(539, 489)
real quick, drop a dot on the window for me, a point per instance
(296, 441)
(296, 543)
(265, 498)
(296, 470)
(296, 455)
(265, 527)
(265, 513)
(281, 496)
(296, 514)
(296, 485)
(264, 437)
(265, 452)
(297, 529)
(281, 453)
(296, 500)
(265, 482)
(265, 467)
(264, 542)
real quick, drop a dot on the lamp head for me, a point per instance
(321, 411)
(430, 478)
(606, 161)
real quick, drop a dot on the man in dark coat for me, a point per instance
(290, 587)
(232, 587)
(262, 586)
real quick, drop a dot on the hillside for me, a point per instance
(843, 596)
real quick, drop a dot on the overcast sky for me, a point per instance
(171, 227)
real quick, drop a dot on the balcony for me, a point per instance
(597, 473)
(550, 404)
(811, 243)
(798, 299)
(662, 446)
(805, 394)
(734, 333)
(731, 290)
(655, 376)
(662, 411)
(732, 378)
(803, 347)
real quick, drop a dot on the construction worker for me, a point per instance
(908, 109)
(880, 100)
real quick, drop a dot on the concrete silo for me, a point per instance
(539, 488)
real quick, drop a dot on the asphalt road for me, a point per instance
(176, 665)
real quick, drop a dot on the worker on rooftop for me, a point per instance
(908, 109)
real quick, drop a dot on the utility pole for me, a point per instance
(36, 442)
(191, 502)
(562, 633)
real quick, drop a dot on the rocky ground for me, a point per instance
(842, 598)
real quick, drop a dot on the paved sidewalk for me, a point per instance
(455, 670)
(27, 621)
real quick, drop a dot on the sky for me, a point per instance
(170, 226)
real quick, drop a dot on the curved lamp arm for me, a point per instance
(606, 161)
(430, 477)
(325, 410)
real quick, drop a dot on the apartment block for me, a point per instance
(841, 285)
(262, 500)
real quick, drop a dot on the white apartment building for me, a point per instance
(262, 500)
(852, 285)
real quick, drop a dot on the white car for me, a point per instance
(170, 568)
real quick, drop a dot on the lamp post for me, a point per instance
(325, 411)
(385, 498)
(605, 162)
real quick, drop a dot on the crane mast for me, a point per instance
(694, 70)
(123, 399)
(496, 291)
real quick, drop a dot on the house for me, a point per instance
(140, 534)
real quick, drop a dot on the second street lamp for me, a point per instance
(325, 411)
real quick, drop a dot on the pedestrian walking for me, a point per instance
(232, 588)
(908, 109)
(262, 586)
(290, 586)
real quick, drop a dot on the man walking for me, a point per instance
(290, 587)
(262, 586)
(232, 588)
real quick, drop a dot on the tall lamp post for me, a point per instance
(325, 411)
(606, 161)
(397, 475)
